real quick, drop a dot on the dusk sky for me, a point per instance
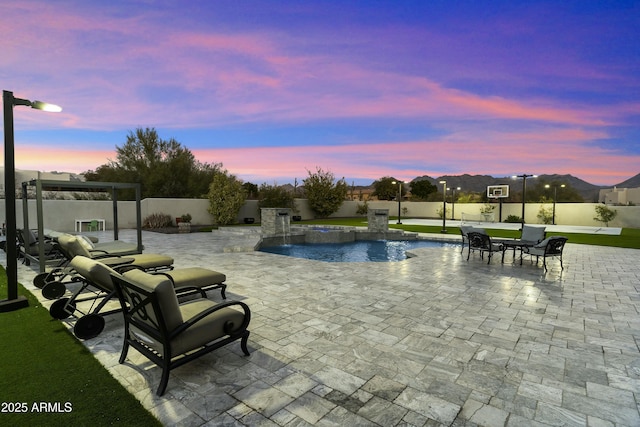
(364, 89)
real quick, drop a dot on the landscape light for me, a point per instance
(524, 177)
(13, 301)
(444, 206)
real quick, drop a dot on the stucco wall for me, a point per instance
(61, 214)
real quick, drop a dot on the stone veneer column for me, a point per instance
(275, 221)
(378, 220)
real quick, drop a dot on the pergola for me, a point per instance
(52, 185)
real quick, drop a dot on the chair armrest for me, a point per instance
(186, 325)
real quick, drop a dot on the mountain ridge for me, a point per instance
(479, 183)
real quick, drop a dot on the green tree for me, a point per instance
(324, 193)
(605, 214)
(251, 190)
(386, 188)
(422, 189)
(163, 168)
(273, 196)
(226, 197)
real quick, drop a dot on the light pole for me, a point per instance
(399, 198)
(453, 202)
(524, 177)
(444, 206)
(555, 194)
(13, 301)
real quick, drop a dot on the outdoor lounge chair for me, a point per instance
(549, 247)
(96, 287)
(70, 246)
(29, 248)
(171, 334)
(482, 242)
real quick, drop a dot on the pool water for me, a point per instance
(359, 251)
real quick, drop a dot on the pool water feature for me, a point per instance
(358, 251)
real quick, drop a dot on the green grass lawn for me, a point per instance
(44, 367)
(629, 238)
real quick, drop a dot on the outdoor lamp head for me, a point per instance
(44, 106)
(38, 105)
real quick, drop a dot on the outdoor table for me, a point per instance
(514, 244)
(79, 222)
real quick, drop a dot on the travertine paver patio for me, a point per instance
(433, 340)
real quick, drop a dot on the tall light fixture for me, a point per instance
(453, 202)
(444, 206)
(524, 177)
(555, 194)
(399, 198)
(13, 301)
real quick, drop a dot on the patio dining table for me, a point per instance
(514, 244)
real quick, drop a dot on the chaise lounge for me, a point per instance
(96, 287)
(70, 246)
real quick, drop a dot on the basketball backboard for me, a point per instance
(497, 191)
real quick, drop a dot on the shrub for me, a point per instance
(186, 217)
(545, 215)
(226, 197)
(272, 196)
(362, 209)
(157, 220)
(513, 219)
(605, 214)
(324, 193)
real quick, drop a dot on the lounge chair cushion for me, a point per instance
(206, 330)
(94, 271)
(86, 242)
(532, 234)
(72, 246)
(196, 277)
(165, 292)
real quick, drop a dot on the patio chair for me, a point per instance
(532, 234)
(171, 334)
(464, 231)
(482, 242)
(93, 225)
(70, 246)
(549, 247)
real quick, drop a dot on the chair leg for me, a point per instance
(243, 343)
(125, 350)
(164, 380)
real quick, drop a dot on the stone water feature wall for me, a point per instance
(378, 220)
(275, 221)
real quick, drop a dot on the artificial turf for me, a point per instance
(47, 377)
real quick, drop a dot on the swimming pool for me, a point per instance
(358, 251)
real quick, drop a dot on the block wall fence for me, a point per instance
(61, 214)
